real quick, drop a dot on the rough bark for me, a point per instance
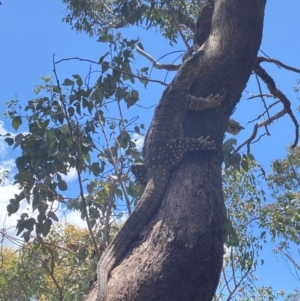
(179, 254)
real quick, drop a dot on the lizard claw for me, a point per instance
(216, 99)
(207, 143)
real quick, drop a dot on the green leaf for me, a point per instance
(141, 45)
(20, 226)
(68, 82)
(137, 129)
(120, 215)
(144, 80)
(90, 188)
(16, 122)
(244, 165)
(87, 157)
(144, 69)
(46, 227)
(263, 234)
(135, 94)
(103, 57)
(123, 139)
(251, 157)
(21, 163)
(41, 217)
(131, 98)
(96, 170)
(45, 124)
(9, 141)
(53, 216)
(29, 224)
(62, 185)
(79, 80)
(26, 236)
(105, 66)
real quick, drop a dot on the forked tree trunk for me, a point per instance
(179, 254)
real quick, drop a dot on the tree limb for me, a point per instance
(269, 60)
(268, 80)
(169, 67)
(98, 63)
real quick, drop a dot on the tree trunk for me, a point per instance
(180, 252)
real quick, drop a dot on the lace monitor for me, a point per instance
(163, 149)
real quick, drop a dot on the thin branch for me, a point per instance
(258, 125)
(238, 284)
(261, 95)
(113, 161)
(262, 114)
(267, 132)
(226, 282)
(119, 174)
(268, 80)
(111, 195)
(77, 157)
(40, 287)
(295, 173)
(111, 67)
(277, 93)
(169, 67)
(51, 270)
(269, 60)
(178, 27)
(61, 248)
(292, 260)
(232, 266)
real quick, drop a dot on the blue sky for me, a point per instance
(32, 31)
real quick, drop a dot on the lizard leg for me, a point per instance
(176, 148)
(140, 173)
(199, 104)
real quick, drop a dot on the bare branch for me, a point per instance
(112, 191)
(258, 125)
(268, 108)
(268, 80)
(169, 67)
(112, 67)
(269, 60)
(277, 93)
(261, 95)
(292, 260)
(114, 163)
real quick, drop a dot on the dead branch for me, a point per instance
(269, 60)
(263, 113)
(169, 67)
(258, 125)
(268, 80)
(260, 95)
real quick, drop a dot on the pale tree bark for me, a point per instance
(179, 254)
